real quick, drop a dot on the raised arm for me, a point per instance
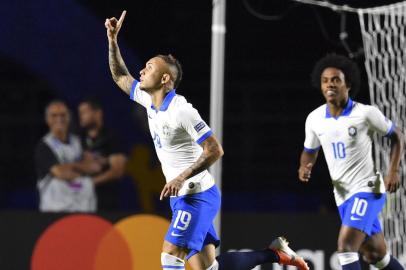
(212, 151)
(118, 69)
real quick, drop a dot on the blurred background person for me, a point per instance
(63, 183)
(102, 146)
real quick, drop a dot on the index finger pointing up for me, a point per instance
(120, 21)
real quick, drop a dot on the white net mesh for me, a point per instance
(383, 32)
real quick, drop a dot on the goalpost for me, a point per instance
(218, 29)
(383, 33)
(384, 38)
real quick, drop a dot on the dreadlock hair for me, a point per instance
(347, 66)
(175, 66)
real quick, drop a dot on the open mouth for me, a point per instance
(331, 93)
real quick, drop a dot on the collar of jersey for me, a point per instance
(58, 142)
(346, 112)
(166, 102)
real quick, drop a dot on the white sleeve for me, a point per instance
(189, 119)
(378, 122)
(140, 96)
(312, 143)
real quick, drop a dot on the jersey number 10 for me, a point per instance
(157, 140)
(338, 150)
(359, 207)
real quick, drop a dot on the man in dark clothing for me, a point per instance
(63, 181)
(101, 145)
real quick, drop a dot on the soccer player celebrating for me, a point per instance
(344, 128)
(186, 147)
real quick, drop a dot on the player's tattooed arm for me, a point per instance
(212, 151)
(118, 69)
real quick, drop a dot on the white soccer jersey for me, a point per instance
(59, 195)
(177, 130)
(347, 146)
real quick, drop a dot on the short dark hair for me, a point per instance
(93, 102)
(173, 63)
(343, 63)
(55, 101)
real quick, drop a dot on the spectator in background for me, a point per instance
(63, 183)
(101, 145)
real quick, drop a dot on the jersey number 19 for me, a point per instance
(182, 220)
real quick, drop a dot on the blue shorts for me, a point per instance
(361, 211)
(192, 220)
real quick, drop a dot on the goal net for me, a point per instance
(384, 37)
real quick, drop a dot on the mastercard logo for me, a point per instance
(88, 242)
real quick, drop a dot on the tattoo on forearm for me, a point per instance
(117, 67)
(206, 159)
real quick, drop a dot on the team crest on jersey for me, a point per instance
(352, 131)
(166, 130)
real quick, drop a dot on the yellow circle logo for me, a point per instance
(88, 242)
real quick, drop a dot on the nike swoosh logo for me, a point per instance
(175, 234)
(354, 218)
